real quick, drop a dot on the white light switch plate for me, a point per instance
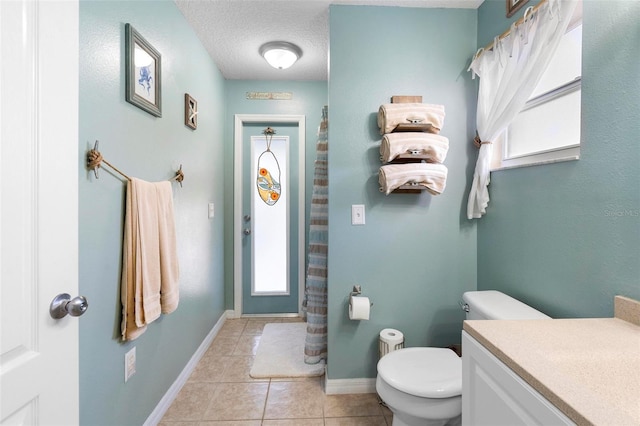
(357, 214)
(211, 210)
(129, 364)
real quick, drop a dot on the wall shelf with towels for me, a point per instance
(95, 160)
(415, 127)
(409, 189)
(411, 156)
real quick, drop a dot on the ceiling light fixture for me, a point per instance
(280, 54)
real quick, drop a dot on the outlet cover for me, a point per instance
(129, 364)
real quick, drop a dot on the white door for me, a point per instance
(271, 251)
(38, 210)
(288, 302)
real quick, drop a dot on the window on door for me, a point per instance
(270, 215)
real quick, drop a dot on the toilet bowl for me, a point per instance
(423, 386)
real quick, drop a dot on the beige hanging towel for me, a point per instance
(432, 177)
(149, 284)
(169, 271)
(433, 147)
(390, 115)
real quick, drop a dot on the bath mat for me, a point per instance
(281, 353)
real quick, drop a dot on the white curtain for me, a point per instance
(508, 75)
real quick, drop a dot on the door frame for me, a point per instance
(239, 121)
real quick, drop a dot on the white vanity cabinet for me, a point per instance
(493, 394)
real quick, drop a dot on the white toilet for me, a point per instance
(423, 386)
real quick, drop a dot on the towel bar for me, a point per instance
(95, 160)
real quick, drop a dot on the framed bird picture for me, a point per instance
(143, 76)
(190, 112)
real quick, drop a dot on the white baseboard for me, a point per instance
(231, 314)
(171, 394)
(342, 386)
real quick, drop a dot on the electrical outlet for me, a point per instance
(129, 364)
(357, 214)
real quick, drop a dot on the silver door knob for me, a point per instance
(63, 304)
(246, 231)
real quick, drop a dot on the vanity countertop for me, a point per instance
(588, 368)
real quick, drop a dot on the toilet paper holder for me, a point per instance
(356, 291)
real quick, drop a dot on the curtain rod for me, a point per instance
(508, 31)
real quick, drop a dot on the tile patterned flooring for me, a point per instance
(220, 391)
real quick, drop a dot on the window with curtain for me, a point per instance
(509, 72)
(548, 127)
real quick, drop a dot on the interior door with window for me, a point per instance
(270, 200)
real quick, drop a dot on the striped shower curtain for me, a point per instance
(315, 301)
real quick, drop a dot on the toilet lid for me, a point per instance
(424, 372)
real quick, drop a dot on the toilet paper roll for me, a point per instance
(359, 308)
(391, 337)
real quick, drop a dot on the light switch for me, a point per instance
(129, 364)
(211, 210)
(357, 214)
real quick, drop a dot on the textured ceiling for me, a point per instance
(232, 31)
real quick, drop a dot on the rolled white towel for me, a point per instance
(433, 177)
(390, 115)
(435, 147)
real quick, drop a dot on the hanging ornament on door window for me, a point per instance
(268, 177)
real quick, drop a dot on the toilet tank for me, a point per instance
(495, 305)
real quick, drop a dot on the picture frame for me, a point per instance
(513, 6)
(143, 71)
(190, 112)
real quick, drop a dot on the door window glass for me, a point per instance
(270, 217)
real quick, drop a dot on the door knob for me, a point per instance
(246, 231)
(63, 304)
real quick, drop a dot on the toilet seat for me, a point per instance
(423, 372)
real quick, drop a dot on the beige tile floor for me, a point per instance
(220, 391)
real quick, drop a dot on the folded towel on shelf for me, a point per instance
(149, 283)
(434, 146)
(433, 177)
(390, 115)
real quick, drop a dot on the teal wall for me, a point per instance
(308, 99)
(553, 235)
(492, 20)
(565, 237)
(149, 148)
(416, 254)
